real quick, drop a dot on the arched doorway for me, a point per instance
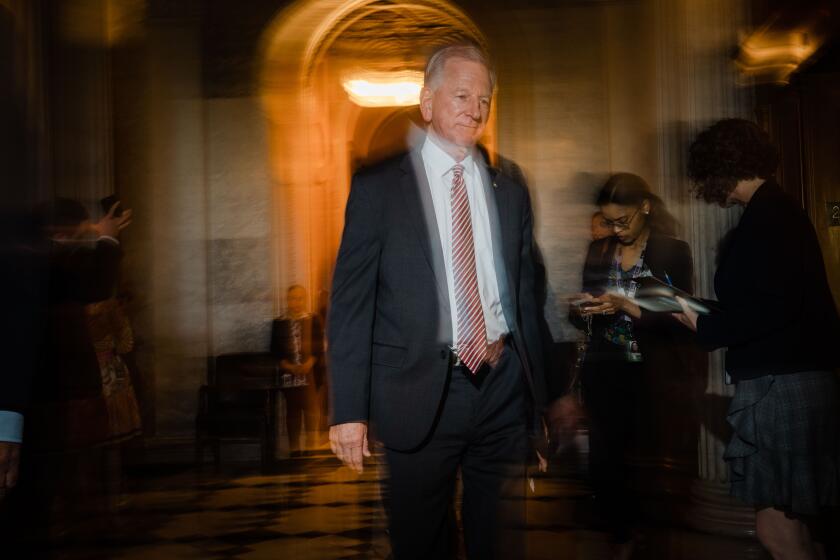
(381, 133)
(317, 135)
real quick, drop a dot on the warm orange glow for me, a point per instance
(398, 89)
(319, 131)
(102, 22)
(773, 54)
(124, 20)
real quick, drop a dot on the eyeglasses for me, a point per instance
(622, 224)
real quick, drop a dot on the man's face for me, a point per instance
(460, 106)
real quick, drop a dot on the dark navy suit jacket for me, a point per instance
(389, 321)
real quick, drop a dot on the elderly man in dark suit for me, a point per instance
(434, 341)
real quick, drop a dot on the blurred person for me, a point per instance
(627, 347)
(599, 228)
(112, 339)
(780, 327)
(297, 341)
(66, 425)
(434, 337)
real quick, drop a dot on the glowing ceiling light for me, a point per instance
(397, 89)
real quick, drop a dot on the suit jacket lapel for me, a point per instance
(496, 196)
(502, 224)
(415, 187)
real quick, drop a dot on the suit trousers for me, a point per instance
(481, 431)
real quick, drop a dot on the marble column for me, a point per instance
(697, 85)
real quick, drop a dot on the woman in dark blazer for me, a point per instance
(627, 347)
(779, 324)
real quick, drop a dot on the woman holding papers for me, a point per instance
(630, 351)
(779, 324)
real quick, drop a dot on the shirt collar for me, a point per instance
(440, 163)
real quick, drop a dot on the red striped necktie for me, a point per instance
(472, 334)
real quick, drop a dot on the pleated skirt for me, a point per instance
(785, 449)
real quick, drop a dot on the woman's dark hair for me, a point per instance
(729, 151)
(627, 189)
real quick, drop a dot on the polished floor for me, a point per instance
(312, 508)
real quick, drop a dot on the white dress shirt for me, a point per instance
(439, 166)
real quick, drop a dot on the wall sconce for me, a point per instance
(384, 89)
(774, 52)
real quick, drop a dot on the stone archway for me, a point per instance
(316, 135)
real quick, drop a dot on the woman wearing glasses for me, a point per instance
(627, 346)
(780, 327)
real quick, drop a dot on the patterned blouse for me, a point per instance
(620, 331)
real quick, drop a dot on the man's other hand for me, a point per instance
(9, 463)
(350, 444)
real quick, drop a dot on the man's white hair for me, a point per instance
(468, 51)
